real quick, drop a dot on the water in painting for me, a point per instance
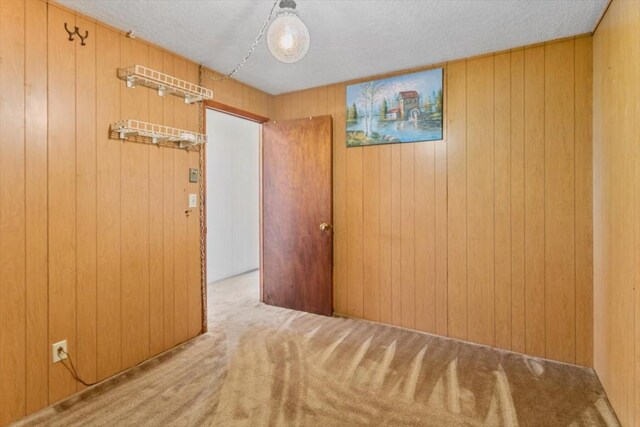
(406, 108)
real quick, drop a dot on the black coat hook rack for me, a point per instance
(76, 32)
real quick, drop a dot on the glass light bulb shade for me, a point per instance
(288, 37)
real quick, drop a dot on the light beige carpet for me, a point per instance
(263, 366)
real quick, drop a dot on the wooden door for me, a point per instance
(297, 236)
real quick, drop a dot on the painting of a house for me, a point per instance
(408, 101)
(406, 108)
(393, 114)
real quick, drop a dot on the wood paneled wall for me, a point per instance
(95, 246)
(616, 220)
(237, 94)
(485, 236)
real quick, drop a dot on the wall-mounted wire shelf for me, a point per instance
(127, 129)
(164, 83)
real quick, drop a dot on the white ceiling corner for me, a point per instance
(349, 38)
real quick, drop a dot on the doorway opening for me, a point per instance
(232, 164)
(269, 210)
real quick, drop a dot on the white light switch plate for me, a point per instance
(54, 351)
(193, 200)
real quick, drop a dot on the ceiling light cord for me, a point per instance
(263, 29)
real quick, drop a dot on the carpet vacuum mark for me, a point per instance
(266, 366)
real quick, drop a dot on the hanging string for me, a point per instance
(263, 29)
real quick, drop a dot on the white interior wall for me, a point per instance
(232, 162)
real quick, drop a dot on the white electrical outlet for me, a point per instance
(56, 357)
(193, 200)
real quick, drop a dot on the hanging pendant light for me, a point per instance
(288, 36)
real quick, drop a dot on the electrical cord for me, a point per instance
(72, 370)
(263, 29)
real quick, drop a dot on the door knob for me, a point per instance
(324, 226)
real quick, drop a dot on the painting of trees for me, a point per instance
(370, 94)
(352, 113)
(402, 108)
(427, 104)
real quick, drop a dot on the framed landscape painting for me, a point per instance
(405, 108)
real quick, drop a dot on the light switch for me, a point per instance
(193, 200)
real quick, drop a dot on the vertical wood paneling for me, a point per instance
(288, 106)
(480, 200)
(402, 219)
(86, 204)
(332, 106)
(461, 223)
(635, 307)
(180, 204)
(134, 205)
(246, 98)
(252, 100)
(517, 203)
(534, 79)
(109, 290)
(457, 199)
(62, 199)
(80, 211)
(37, 349)
(265, 102)
(296, 105)
(29, 330)
(168, 212)
(339, 201)
(621, 246)
(305, 103)
(407, 233)
(277, 106)
(224, 90)
(636, 279)
(584, 201)
(156, 219)
(616, 180)
(355, 234)
(323, 100)
(601, 93)
(12, 213)
(441, 252)
(502, 199)
(235, 94)
(613, 142)
(386, 308)
(559, 191)
(425, 229)
(194, 297)
(310, 103)
(371, 235)
(396, 233)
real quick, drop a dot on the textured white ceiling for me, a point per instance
(349, 38)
